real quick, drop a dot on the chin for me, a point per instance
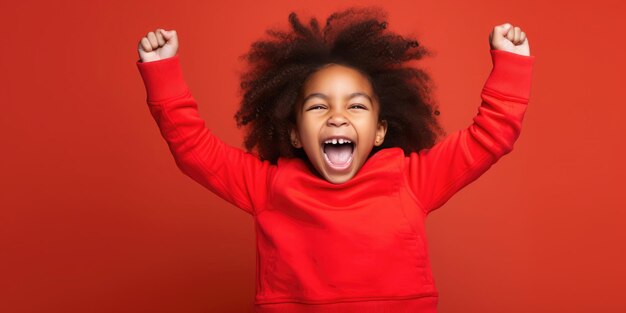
(337, 176)
(339, 179)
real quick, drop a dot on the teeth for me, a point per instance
(334, 141)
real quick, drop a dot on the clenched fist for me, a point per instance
(508, 38)
(158, 45)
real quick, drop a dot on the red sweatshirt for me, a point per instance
(358, 246)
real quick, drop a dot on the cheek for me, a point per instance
(368, 127)
(307, 131)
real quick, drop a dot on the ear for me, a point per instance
(380, 133)
(295, 138)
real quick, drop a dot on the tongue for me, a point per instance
(338, 154)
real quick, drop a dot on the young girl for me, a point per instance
(342, 166)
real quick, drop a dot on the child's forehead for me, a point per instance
(337, 77)
(337, 83)
(349, 96)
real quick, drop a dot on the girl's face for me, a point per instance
(337, 122)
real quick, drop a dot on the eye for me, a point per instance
(315, 107)
(358, 106)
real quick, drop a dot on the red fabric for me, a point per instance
(358, 246)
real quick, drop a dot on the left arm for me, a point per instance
(437, 173)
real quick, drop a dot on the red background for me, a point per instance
(96, 217)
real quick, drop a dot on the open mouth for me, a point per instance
(338, 152)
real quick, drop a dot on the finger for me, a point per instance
(145, 44)
(522, 36)
(516, 36)
(152, 39)
(159, 35)
(510, 35)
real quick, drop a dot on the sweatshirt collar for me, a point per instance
(380, 175)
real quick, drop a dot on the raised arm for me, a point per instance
(234, 175)
(436, 174)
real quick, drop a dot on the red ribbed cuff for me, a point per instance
(163, 79)
(511, 74)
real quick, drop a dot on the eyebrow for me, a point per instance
(348, 97)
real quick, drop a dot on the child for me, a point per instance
(345, 169)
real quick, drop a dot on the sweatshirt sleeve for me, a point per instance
(231, 173)
(437, 173)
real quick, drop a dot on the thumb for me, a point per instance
(170, 36)
(502, 30)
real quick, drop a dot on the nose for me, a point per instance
(337, 120)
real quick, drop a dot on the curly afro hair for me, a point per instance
(355, 37)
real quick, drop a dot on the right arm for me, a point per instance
(231, 173)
